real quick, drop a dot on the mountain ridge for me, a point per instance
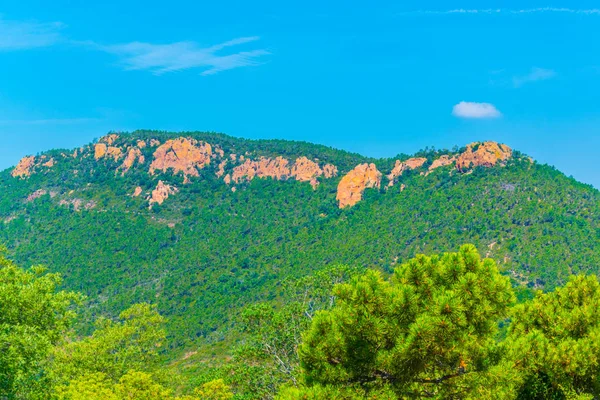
(205, 248)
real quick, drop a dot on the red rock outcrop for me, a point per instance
(24, 167)
(442, 162)
(181, 155)
(102, 150)
(161, 193)
(137, 192)
(221, 169)
(133, 154)
(305, 170)
(276, 168)
(400, 167)
(50, 163)
(352, 185)
(487, 154)
(109, 139)
(329, 171)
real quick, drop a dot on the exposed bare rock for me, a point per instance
(276, 168)
(487, 154)
(305, 170)
(102, 150)
(141, 144)
(400, 167)
(352, 186)
(134, 154)
(50, 163)
(36, 195)
(233, 157)
(154, 143)
(161, 193)
(24, 167)
(181, 155)
(329, 171)
(221, 169)
(137, 192)
(109, 139)
(442, 162)
(227, 179)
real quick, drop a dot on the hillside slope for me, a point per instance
(202, 223)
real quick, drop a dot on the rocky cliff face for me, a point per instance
(303, 170)
(161, 193)
(188, 157)
(400, 167)
(442, 162)
(23, 168)
(134, 154)
(276, 168)
(353, 184)
(104, 148)
(486, 154)
(181, 155)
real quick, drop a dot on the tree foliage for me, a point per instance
(424, 332)
(34, 315)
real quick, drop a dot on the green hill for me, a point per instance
(202, 224)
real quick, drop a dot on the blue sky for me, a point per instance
(379, 78)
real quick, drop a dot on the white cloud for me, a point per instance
(467, 109)
(589, 11)
(163, 58)
(18, 35)
(49, 121)
(536, 74)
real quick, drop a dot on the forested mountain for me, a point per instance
(204, 224)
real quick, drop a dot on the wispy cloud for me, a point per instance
(20, 35)
(49, 121)
(163, 58)
(471, 110)
(588, 11)
(536, 74)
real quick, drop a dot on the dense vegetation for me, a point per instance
(207, 253)
(442, 327)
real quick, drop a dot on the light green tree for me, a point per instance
(554, 342)
(34, 315)
(214, 390)
(429, 331)
(116, 347)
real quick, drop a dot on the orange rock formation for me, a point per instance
(102, 150)
(400, 167)
(181, 155)
(487, 154)
(305, 170)
(23, 168)
(161, 193)
(133, 154)
(352, 186)
(442, 162)
(276, 168)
